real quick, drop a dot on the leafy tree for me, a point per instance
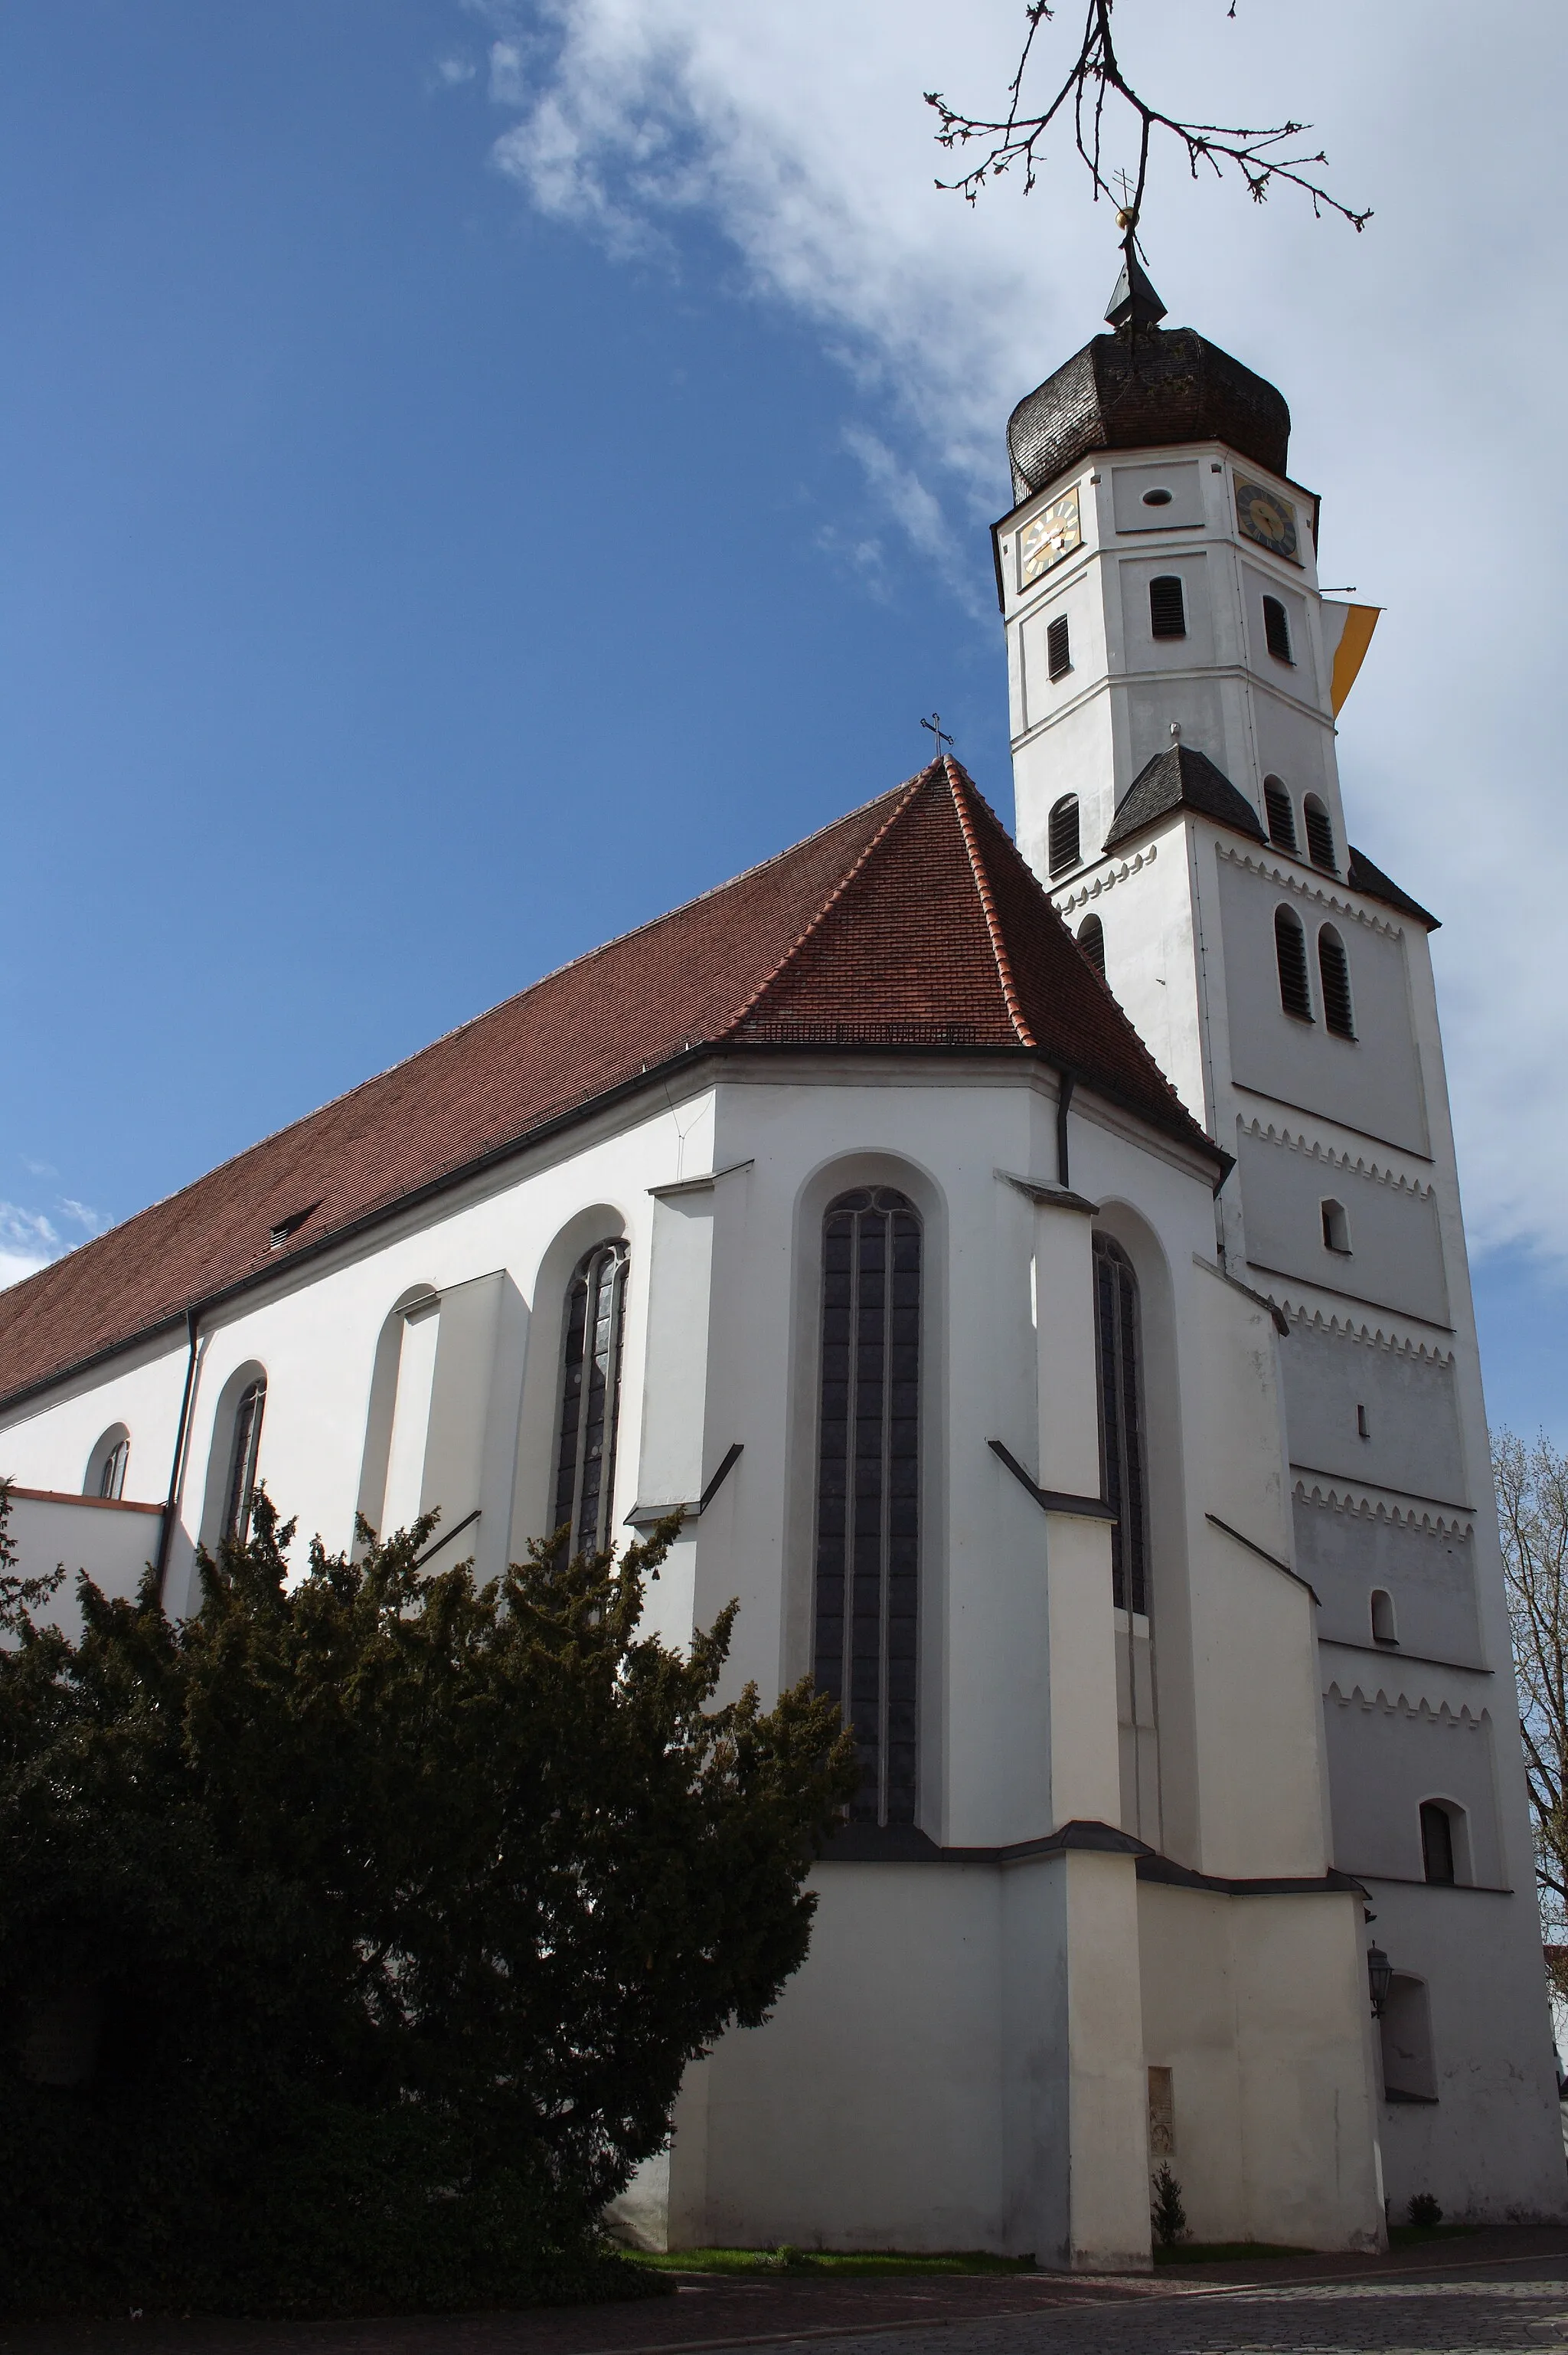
(358, 1931)
(1532, 1510)
(1167, 2216)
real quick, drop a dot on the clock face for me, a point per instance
(1269, 519)
(1048, 537)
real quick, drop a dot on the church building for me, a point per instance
(1035, 1266)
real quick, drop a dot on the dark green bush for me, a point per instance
(356, 1933)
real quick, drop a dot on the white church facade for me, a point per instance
(1038, 1269)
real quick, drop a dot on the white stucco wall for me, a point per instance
(961, 2061)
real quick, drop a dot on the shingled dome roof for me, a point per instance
(1144, 388)
(911, 926)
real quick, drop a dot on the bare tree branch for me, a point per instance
(1096, 75)
(1532, 1509)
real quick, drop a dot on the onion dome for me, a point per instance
(1142, 387)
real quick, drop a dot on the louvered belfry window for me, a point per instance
(1058, 647)
(1277, 630)
(1092, 940)
(1167, 606)
(868, 1500)
(1290, 955)
(590, 1397)
(1121, 1421)
(1320, 835)
(1063, 846)
(1334, 972)
(1281, 815)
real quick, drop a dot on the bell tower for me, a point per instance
(1175, 676)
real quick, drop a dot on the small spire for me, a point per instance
(1134, 299)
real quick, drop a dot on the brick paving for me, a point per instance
(1500, 2290)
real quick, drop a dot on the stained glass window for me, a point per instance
(1121, 1421)
(590, 1397)
(868, 1481)
(247, 1446)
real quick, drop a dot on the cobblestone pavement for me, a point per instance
(1495, 2290)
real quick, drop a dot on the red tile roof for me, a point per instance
(913, 922)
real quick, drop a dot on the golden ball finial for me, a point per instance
(1128, 217)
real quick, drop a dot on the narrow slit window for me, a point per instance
(1383, 1616)
(1276, 631)
(1167, 606)
(243, 1454)
(1436, 1842)
(867, 1600)
(590, 1397)
(1334, 973)
(1320, 835)
(1363, 1421)
(1290, 955)
(1120, 1383)
(1281, 815)
(1336, 1228)
(1058, 647)
(1062, 844)
(1092, 940)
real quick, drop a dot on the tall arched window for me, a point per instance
(868, 1490)
(1092, 940)
(590, 1397)
(1064, 835)
(1290, 955)
(1334, 972)
(108, 1464)
(244, 1449)
(1120, 1380)
(1320, 835)
(1281, 813)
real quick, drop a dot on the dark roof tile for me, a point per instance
(1374, 884)
(913, 922)
(1183, 778)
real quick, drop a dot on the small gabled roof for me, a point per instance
(912, 924)
(1183, 778)
(1373, 884)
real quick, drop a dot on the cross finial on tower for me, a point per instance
(935, 725)
(1134, 299)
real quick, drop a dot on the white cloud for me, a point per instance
(27, 1242)
(82, 1215)
(452, 72)
(29, 1239)
(1421, 360)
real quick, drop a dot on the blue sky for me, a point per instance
(461, 500)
